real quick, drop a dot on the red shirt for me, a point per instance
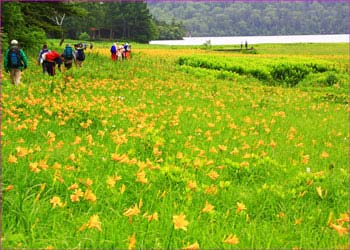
(51, 56)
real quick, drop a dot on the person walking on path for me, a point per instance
(120, 53)
(68, 56)
(40, 60)
(15, 61)
(79, 55)
(114, 52)
(50, 59)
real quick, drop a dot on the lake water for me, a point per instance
(340, 38)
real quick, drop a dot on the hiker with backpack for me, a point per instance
(15, 61)
(120, 53)
(79, 55)
(50, 59)
(127, 49)
(114, 51)
(40, 59)
(68, 56)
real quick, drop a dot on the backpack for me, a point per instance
(68, 53)
(80, 55)
(14, 58)
(113, 49)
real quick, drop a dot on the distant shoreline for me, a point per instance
(237, 40)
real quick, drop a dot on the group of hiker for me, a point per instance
(49, 58)
(15, 60)
(120, 52)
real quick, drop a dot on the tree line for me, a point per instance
(33, 22)
(255, 18)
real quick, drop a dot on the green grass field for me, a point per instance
(147, 153)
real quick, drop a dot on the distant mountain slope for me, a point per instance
(254, 18)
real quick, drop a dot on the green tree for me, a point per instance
(30, 22)
(15, 26)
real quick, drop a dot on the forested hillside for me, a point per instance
(32, 22)
(244, 18)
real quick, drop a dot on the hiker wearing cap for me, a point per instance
(40, 59)
(114, 51)
(68, 56)
(79, 55)
(15, 61)
(127, 49)
(50, 59)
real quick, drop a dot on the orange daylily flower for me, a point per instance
(89, 139)
(324, 155)
(272, 144)
(51, 136)
(132, 242)
(72, 157)
(213, 175)
(151, 217)
(340, 229)
(112, 180)
(122, 189)
(76, 196)
(132, 211)
(42, 187)
(42, 164)
(209, 162)
(245, 146)
(77, 140)
(56, 201)
(213, 150)
(343, 218)
(231, 239)
(21, 152)
(94, 222)
(305, 159)
(191, 185)
(88, 182)
(12, 159)
(212, 189)
(141, 177)
(73, 186)
(120, 158)
(9, 188)
(56, 165)
(194, 246)
(319, 192)
(235, 151)
(33, 166)
(89, 195)
(240, 207)
(298, 221)
(208, 208)
(244, 164)
(180, 222)
(179, 155)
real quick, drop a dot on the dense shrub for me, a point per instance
(289, 74)
(329, 78)
(84, 36)
(280, 71)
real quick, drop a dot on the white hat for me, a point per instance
(14, 42)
